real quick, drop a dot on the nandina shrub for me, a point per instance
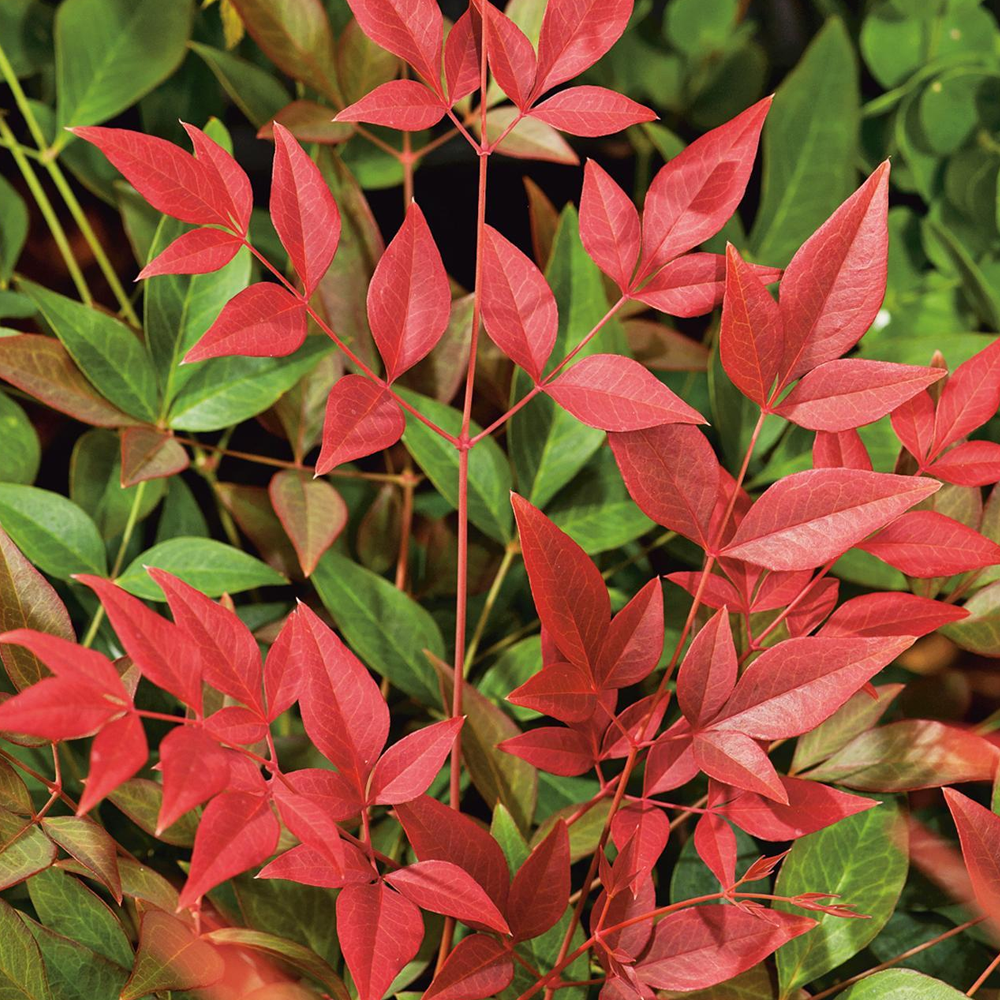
(736, 707)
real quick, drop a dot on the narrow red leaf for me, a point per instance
(979, 835)
(970, 397)
(708, 672)
(197, 252)
(401, 104)
(442, 887)
(237, 831)
(194, 769)
(529, 912)
(308, 818)
(303, 210)
(735, 759)
(57, 708)
(462, 57)
(913, 423)
(891, 614)
(230, 175)
(119, 750)
(236, 725)
(511, 56)
(609, 225)
(70, 660)
(410, 29)
(519, 309)
(307, 866)
(811, 517)
(973, 463)
(561, 690)
(840, 450)
(615, 393)
(591, 111)
(262, 321)
(409, 299)
(408, 767)
(362, 417)
(284, 669)
(650, 829)
(835, 283)
(715, 843)
(924, 544)
(634, 640)
(670, 762)
(554, 749)
(480, 966)
(311, 511)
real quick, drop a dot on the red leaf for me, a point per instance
(410, 29)
(230, 175)
(70, 660)
(237, 831)
(708, 672)
(480, 966)
(519, 309)
(811, 807)
(462, 62)
(379, 932)
(569, 591)
(408, 767)
(979, 835)
(262, 321)
(670, 762)
(307, 866)
(284, 669)
(311, 511)
(835, 283)
(194, 769)
(792, 687)
(591, 111)
(715, 843)
(698, 190)
(303, 210)
(811, 517)
(529, 912)
(119, 750)
(229, 653)
(615, 393)
(752, 338)
(609, 225)
(308, 818)
(442, 887)
(924, 544)
(172, 181)
(891, 614)
(57, 708)
(561, 690)
(197, 252)
(672, 473)
(913, 423)
(554, 749)
(634, 640)
(236, 725)
(970, 397)
(650, 828)
(840, 450)
(574, 35)
(735, 759)
(362, 417)
(342, 708)
(160, 650)
(401, 104)
(438, 833)
(820, 600)
(409, 299)
(511, 56)
(330, 789)
(848, 393)
(974, 463)
(706, 945)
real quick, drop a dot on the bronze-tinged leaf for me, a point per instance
(91, 845)
(252, 510)
(312, 512)
(25, 849)
(148, 453)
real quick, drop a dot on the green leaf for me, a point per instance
(181, 513)
(75, 972)
(28, 850)
(22, 971)
(489, 473)
(754, 984)
(90, 844)
(697, 27)
(980, 632)
(13, 227)
(809, 158)
(225, 391)
(95, 483)
(53, 532)
(65, 904)
(901, 984)
(548, 446)
(252, 89)
(511, 670)
(385, 626)
(21, 453)
(509, 837)
(111, 52)
(892, 46)
(26, 30)
(212, 567)
(171, 957)
(107, 352)
(14, 794)
(984, 300)
(842, 859)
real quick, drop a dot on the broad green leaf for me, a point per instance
(22, 971)
(95, 483)
(385, 626)
(212, 567)
(21, 452)
(75, 972)
(181, 513)
(68, 907)
(90, 844)
(225, 391)
(13, 227)
(252, 89)
(509, 837)
(107, 352)
(27, 849)
(698, 27)
(842, 859)
(548, 445)
(980, 632)
(809, 157)
(26, 30)
(489, 473)
(901, 984)
(892, 46)
(754, 984)
(981, 294)
(53, 532)
(111, 52)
